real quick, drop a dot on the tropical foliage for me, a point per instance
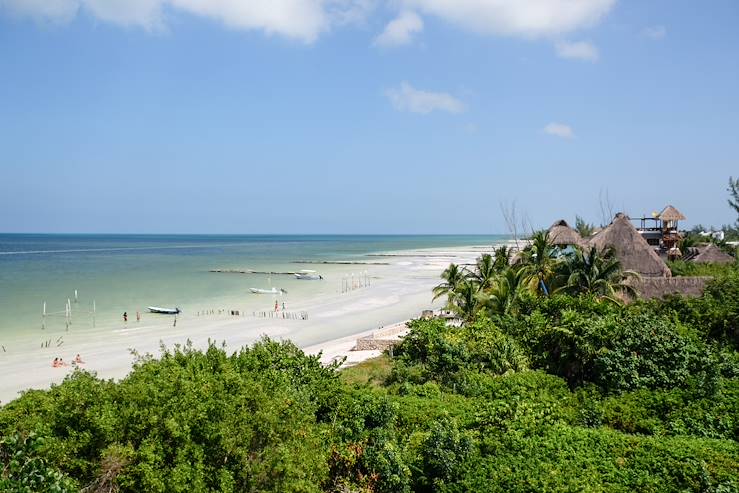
(584, 228)
(533, 392)
(595, 273)
(495, 285)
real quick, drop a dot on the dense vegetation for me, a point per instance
(543, 389)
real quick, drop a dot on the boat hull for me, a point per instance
(164, 311)
(264, 291)
(308, 277)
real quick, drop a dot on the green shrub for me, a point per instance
(676, 412)
(434, 351)
(566, 458)
(26, 471)
(715, 314)
(620, 351)
(445, 453)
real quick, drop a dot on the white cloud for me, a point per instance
(400, 30)
(408, 98)
(560, 130)
(655, 32)
(304, 20)
(521, 18)
(578, 50)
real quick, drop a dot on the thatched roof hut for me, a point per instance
(561, 234)
(670, 213)
(632, 250)
(712, 254)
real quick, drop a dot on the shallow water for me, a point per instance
(127, 273)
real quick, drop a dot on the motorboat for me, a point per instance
(308, 275)
(164, 311)
(268, 291)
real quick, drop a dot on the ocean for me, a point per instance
(127, 273)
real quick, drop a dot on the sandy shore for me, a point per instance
(398, 292)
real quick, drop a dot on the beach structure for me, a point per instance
(670, 218)
(661, 229)
(632, 250)
(562, 235)
(712, 254)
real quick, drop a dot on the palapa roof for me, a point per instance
(561, 234)
(713, 255)
(632, 250)
(670, 213)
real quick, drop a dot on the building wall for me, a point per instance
(659, 287)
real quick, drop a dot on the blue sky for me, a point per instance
(362, 116)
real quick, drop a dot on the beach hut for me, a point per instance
(670, 217)
(632, 250)
(712, 254)
(562, 235)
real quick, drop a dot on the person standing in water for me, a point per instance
(138, 316)
(125, 316)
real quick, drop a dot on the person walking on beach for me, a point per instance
(277, 306)
(125, 316)
(175, 321)
(283, 306)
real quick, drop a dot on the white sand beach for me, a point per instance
(397, 292)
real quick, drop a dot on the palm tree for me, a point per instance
(594, 272)
(585, 229)
(539, 262)
(505, 290)
(484, 272)
(453, 276)
(465, 300)
(502, 258)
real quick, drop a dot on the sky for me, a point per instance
(362, 116)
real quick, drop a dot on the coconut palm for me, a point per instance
(594, 272)
(465, 300)
(484, 272)
(505, 290)
(539, 263)
(502, 258)
(453, 276)
(585, 229)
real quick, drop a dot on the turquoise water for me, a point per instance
(130, 272)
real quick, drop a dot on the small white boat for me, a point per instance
(165, 311)
(308, 275)
(268, 291)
